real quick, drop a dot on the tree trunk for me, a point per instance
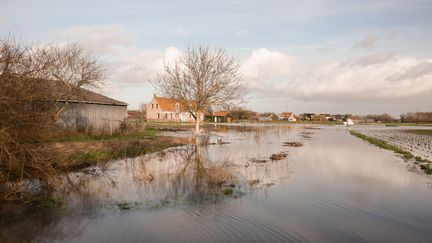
(197, 123)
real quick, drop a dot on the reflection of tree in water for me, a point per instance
(191, 178)
(177, 176)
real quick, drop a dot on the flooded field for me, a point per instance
(417, 140)
(241, 184)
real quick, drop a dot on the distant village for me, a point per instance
(89, 111)
(161, 109)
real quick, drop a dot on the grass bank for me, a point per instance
(424, 164)
(146, 133)
(420, 132)
(80, 151)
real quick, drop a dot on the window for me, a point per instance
(157, 106)
(177, 106)
(176, 115)
(158, 116)
(152, 106)
(171, 115)
(166, 116)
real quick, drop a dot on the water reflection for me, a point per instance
(206, 172)
(333, 188)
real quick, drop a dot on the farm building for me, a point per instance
(87, 111)
(222, 116)
(168, 110)
(287, 116)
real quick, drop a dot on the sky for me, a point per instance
(339, 56)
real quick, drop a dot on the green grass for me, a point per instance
(420, 132)
(426, 168)
(384, 145)
(132, 150)
(424, 164)
(147, 133)
(399, 124)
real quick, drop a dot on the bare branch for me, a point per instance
(202, 78)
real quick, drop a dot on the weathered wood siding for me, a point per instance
(82, 117)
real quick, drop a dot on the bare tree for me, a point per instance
(143, 108)
(202, 78)
(30, 77)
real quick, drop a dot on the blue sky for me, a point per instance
(303, 56)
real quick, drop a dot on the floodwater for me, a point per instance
(334, 188)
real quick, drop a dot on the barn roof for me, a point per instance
(81, 95)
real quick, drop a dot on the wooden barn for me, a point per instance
(90, 112)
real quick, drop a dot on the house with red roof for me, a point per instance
(169, 110)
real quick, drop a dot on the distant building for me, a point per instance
(136, 118)
(170, 110)
(222, 116)
(319, 118)
(287, 116)
(133, 114)
(265, 118)
(306, 116)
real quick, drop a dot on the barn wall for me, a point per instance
(95, 118)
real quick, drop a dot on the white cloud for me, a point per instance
(2, 20)
(240, 31)
(263, 67)
(379, 76)
(181, 31)
(421, 69)
(125, 63)
(375, 58)
(101, 39)
(367, 41)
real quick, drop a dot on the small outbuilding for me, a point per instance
(222, 116)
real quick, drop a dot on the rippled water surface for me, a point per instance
(334, 188)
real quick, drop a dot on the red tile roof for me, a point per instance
(132, 112)
(167, 104)
(286, 114)
(220, 113)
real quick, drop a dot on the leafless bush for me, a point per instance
(31, 77)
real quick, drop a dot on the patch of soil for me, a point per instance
(278, 156)
(258, 161)
(293, 144)
(312, 128)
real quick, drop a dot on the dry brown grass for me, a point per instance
(218, 175)
(293, 144)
